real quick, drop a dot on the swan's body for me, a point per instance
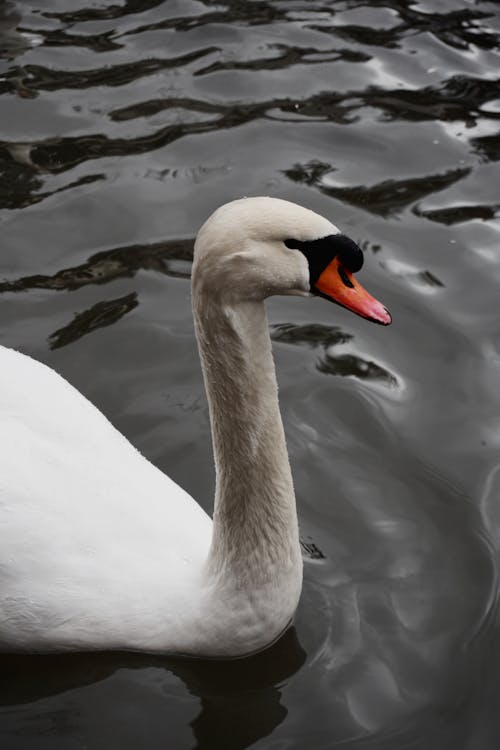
(98, 548)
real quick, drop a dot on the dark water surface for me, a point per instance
(122, 126)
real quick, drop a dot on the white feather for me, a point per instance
(101, 550)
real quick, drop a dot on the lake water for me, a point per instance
(122, 126)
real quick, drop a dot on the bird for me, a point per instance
(100, 550)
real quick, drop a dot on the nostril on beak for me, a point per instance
(345, 278)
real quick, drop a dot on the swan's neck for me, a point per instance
(255, 533)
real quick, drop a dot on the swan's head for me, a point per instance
(255, 247)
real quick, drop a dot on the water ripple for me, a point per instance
(387, 197)
(98, 316)
(109, 265)
(331, 363)
(116, 119)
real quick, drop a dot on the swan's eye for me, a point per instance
(321, 252)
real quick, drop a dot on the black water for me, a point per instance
(122, 126)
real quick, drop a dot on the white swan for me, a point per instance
(98, 548)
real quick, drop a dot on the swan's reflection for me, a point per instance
(240, 699)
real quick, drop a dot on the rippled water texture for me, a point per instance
(122, 126)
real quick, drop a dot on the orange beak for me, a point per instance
(340, 286)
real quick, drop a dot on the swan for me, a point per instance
(101, 550)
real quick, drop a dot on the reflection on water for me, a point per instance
(110, 265)
(488, 146)
(100, 314)
(332, 363)
(386, 198)
(238, 701)
(458, 214)
(123, 125)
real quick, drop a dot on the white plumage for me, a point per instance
(101, 550)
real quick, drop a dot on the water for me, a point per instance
(122, 126)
